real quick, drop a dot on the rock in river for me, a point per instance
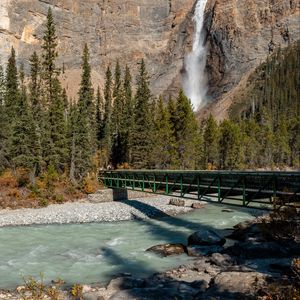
(205, 238)
(177, 202)
(168, 249)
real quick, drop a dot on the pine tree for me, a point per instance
(99, 115)
(119, 131)
(56, 147)
(38, 112)
(164, 148)
(12, 87)
(230, 146)
(128, 114)
(106, 131)
(4, 157)
(49, 56)
(54, 143)
(187, 133)
(23, 131)
(83, 144)
(211, 143)
(141, 136)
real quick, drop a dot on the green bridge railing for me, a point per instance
(232, 187)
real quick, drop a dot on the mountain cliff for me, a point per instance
(240, 35)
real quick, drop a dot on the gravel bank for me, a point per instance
(85, 212)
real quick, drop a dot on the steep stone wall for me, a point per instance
(238, 38)
(114, 29)
(241, 34)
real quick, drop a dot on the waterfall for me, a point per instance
(194, 81)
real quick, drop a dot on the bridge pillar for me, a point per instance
(119, 194)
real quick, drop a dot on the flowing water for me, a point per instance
(194, 82)
(89, 253)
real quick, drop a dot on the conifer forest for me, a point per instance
(124, 126)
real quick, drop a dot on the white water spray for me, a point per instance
(194, 81)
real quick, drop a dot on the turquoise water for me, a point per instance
(89, 253)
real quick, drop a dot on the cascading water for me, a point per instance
(194, 81)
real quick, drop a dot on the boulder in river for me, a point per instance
(199, 251)
(168, 249)
(197, 205)
(205, 238)
(177, 202)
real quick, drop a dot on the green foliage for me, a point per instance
(142, 135)
(210, 143)
(187, 136)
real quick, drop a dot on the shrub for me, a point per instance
(43, 202)
(76, 291)
(7, 179)
(90, 184)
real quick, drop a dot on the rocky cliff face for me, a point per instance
(240, 35)
(114, 29)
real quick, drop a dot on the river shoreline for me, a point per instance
(253, 268)
(85, 212)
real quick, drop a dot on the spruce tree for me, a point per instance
(118, 120)
(84, 134)
(23, 131)
(12, 87)
(49, 56)
(164, 148)
(187, 133)
(54, 143)
(4, 157)
(128, 113)
(99, 115)
(211, 143)
(231, 155)
(142, 134)
(106, 142)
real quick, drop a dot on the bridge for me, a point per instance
(258, 188)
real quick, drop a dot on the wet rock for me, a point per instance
(125, 283)
(227, 210)
(251, 250)
(205, 238)
(161, 293)
(93, 296)
(177, 202)
(168, 249)
(222, 260)
(236, 282)
(197, 205)
(199, 251)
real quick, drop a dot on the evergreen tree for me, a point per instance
(12, 87)
(187, 133)
(230, 145)
(54, 143)
(106, 131)
(4, 157)
(35, 87)
(49, 56)
(99, 115)
(56, 146)
(23, 131)
(83, 143)
(164, 148)
(118, 120)
(141, 135)
(211, 143)
(128, 114)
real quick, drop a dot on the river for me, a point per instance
(89, 253)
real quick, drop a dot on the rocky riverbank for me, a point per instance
(85, 212)
(261, 264)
